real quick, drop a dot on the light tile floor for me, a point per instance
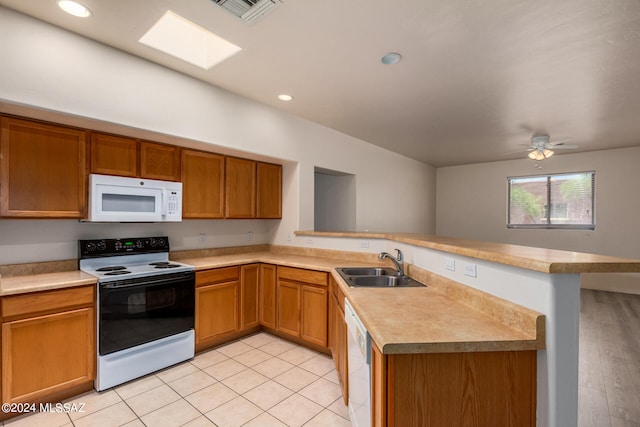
(260, 380)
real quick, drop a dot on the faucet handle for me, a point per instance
(400, 257)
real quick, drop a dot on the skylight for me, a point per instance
(181, 38)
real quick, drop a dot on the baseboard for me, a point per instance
(626, 283)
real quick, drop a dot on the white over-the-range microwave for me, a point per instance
(121, 199)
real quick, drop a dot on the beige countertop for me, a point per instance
(403, 320)
(530, 258)
(400, 320)
(44, 282)
(423, 320)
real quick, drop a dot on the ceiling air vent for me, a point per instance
(249, 10)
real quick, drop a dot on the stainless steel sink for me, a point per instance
(372, 271)
(375, 277)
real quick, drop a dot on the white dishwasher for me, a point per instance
(359, 367)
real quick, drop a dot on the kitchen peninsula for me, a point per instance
(545, 282)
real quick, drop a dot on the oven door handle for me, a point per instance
(146, 282)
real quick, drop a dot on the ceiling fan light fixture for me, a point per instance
(540, 154)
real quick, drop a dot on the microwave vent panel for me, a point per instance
(249, 10)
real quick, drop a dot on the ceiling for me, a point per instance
(477, 78)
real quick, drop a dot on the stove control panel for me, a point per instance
(112, 247)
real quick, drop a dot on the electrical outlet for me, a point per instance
(450, 264)
(471, 270)
(249, 236)
(289, 237)
(309, 241)
(202, 237)
(364, 244)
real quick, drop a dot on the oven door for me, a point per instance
(136, 311)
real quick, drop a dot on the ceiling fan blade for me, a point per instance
(518, 152)
(560, 141)
(563, 146)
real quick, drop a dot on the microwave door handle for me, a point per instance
(165, 202)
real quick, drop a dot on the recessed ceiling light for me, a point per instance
(391, 58)
(285, 97)
(74, 8)
(181, 38)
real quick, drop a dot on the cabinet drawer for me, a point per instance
(301, 275)
(28, 305)
(217, 275)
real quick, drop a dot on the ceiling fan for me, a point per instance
(542, 148)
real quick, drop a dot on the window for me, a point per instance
(552, 201)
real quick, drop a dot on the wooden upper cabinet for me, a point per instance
(269, 190)
(114, 155)
(202, 185)
(43, 170)
(240, 189)
(159, 161)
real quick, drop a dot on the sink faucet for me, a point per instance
(397, 261)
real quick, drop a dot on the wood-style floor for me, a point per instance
(609, 372)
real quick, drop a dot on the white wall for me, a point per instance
(335, 202)
(471, 203)
(24, 241)
(51, 69)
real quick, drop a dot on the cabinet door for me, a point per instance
(378, 387)
(159, 161)
(216, 311)
(333, 328)
(268, 290)
(269, 190)
(47, 354)
(202, 185)
(288, 320)
(240, 188)
(338, 338)
(314, 314)
(341, 350)
(43, 170)
(249, 280)
(114, 155)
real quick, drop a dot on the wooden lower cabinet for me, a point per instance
(227, 304)
(338, 337)
(249, 288)
(302, 299)
(48, 345)
(268, 292)
(289, 308)
(313, 327)
(217, 305)
(454, 389)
